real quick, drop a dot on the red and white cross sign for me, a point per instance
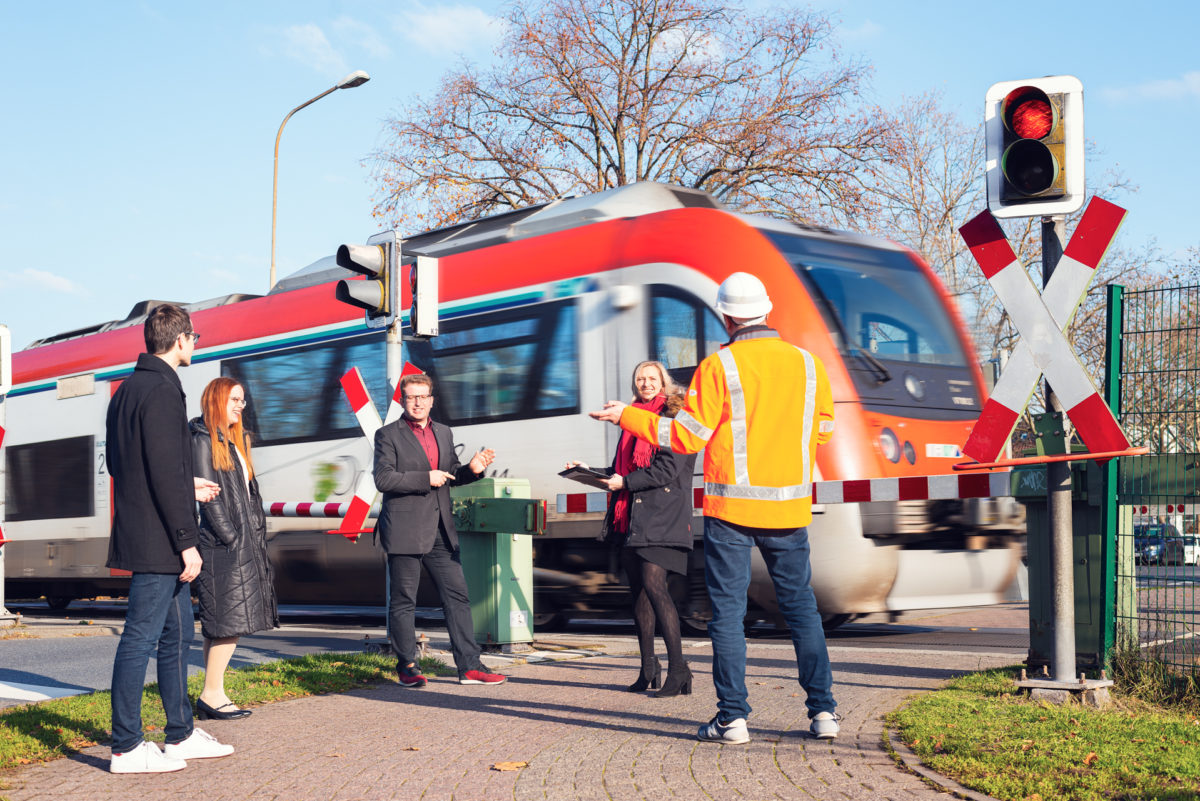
(1041, 319)
(365, 493)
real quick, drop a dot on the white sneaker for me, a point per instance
(199, 745)
(146, 758)
(824, 725)
(732, 732)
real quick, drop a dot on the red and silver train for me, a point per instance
(544, 312)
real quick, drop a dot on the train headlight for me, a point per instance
(890, 445)
(915, 386)
(910, 453)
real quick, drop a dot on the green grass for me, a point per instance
(982, 733)
(52, 729)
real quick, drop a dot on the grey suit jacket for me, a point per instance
(408, 521)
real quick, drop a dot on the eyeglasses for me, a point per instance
(239, 402)
(418, 398)
(195, 337)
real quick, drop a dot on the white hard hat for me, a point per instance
(743, 296)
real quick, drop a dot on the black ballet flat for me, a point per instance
(206, 712)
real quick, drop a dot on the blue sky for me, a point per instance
(136, 149)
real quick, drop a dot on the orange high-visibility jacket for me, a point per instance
(761, 406)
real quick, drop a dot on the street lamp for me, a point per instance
(356, 78)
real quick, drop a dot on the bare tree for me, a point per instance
(759, 110)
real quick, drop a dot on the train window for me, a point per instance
(863, 288)
(683, 330)
(510, 365)
(50, 480)
(296, 396)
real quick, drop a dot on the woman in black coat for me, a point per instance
(649, 517)
(237, 596)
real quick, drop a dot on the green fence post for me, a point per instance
(1108, 511)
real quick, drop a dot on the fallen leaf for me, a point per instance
(795, 695)
(1090, 759)
(1071, 735)
(335, 754)
(510, 765)
(276, 683)
(1075, 722)
(411, 748)
(1138, 740)
(22, 761)
(1034, 797)
(973, 629)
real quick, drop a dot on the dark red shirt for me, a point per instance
(428, 441)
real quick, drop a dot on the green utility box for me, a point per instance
(1088, 555)
(495, 518)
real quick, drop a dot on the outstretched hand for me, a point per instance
(611, 413)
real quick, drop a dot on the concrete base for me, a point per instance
(9, 619)
(1088, 692)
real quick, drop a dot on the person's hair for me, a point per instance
(415, 378)
(163, 326)
(674, 392)
(214, 406)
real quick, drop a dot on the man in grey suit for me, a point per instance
(415, 460)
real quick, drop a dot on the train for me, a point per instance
(543, 313)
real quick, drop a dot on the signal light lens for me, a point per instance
(1032, 118)
(1029, 166)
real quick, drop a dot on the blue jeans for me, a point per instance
(158, 621)
(727, 575)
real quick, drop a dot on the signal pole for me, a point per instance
(1058, 494)
(6, 617)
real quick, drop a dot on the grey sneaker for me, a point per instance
(732, 732)
(825, 725)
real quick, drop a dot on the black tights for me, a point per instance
(651, 600)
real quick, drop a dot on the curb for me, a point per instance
(908, 760)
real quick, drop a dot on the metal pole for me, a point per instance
(1058, 487)
(5, 381)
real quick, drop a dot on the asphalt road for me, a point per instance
(72, 651)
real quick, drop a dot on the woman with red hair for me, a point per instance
(236, 593)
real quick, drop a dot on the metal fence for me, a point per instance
(1156, 561)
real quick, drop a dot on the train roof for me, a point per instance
(632, 200)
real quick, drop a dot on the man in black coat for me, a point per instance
(154, 536)
(415, 459)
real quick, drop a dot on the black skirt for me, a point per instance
(673, 560)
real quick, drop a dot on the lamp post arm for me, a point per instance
(275, 175)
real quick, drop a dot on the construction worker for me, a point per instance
(758, 407)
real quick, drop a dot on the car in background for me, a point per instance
(1162, 544)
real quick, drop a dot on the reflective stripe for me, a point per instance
(664, 432)
(826, 426)
(687, 421)
(791, 493)
(737, 421)
(810, 413)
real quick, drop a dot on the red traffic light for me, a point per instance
(1028, 113)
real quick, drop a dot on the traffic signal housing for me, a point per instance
(378, 293)
(1034, 144)
(423, 281)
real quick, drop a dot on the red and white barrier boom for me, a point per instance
(1041, 318)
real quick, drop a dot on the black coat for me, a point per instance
(235, 588)
(411, 511)
(660, 502)
(149, 455)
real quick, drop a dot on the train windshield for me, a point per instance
(880, 300)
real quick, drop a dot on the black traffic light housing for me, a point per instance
(378, 293)
(1034, 131)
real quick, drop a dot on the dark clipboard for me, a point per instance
(586, 475)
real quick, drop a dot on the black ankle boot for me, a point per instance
(651, 673)
(679, 682)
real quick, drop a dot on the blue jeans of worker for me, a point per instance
(727, 551)
(158, 620)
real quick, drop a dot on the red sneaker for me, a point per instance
(411, 677)
(479, 677)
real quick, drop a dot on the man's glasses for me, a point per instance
(418, 398)
(195, 337)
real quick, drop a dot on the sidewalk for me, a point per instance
(582, 735)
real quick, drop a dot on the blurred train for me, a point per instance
(544, 312)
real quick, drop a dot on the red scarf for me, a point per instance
(632, 454)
